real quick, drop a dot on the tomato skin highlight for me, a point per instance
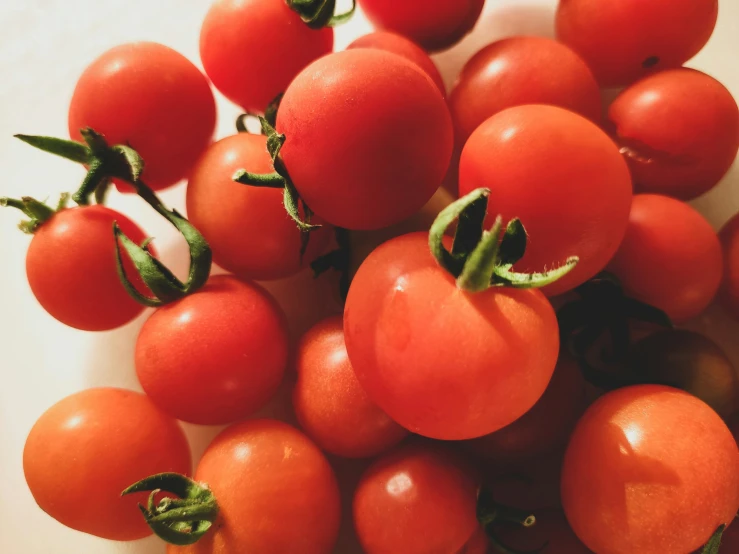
(330, 403)
(416, 499)
(365, 168)
(276, 493)
(152, 98)
(562, 177)
(215, 356)
(522, 70)
(695, 142)
(621, 41)
(729, 237)
(442, 362)
(670, 257)
(252, 49)
(83, 451)
(247, 227)
(71, 269)
(650, 469)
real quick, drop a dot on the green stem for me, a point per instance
(490, 514)
(97, 173)
(480, 265)
(37, 212)
(318, 14)
(269, 180)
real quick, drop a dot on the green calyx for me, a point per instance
(38, 212)
(714, 543)
(482, 259)
(270, 114)
(182, 520)
(318, 14)
(490, 515)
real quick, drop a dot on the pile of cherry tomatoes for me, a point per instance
(445, 229)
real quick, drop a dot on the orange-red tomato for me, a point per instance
(670, 257)
(522, 70)
(729, 236)
(330, 403)
(562, 177)
(83, 451)
(650, 469)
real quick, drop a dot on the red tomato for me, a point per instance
(331, 405)
(398, 44)
(562, 176)
(148, 96)
(226, 212)
(730, 289)
(371, 167)
(87, 448)
(544, 427)
(517, 71)
(215, 356)
(650, 469)
(71, 268)
(442, 362)
(670, 257)
(416, 499)
(434, 25)
(695, 142)
(276, 493)
(551, 531)
(626, 40)
(252, 49)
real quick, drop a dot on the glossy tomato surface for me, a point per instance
(215, 356)
(562, 177)
(442, 362)
(375, 143)
(87, 448)
(151, 98)
(650, 469)
(729, 236)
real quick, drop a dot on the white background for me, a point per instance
(45, 45)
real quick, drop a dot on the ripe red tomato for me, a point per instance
(331, 405)
(276, 493)
(226, 212)
(252, 49)
(562, 176)
(478, 543)
(442, 362)
(650, 469)
(148, 96)
(626, 40)
(434, 25)
(71, 268)
(417, 499)
(546, 426)
(670, 257)
(398, 44)
(371, 167)
(695, 142)
(87, 448)
(215, 356)
(517, 71)
(729, 236)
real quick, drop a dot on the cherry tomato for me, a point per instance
(87, 448)
(215, 356)
(331, 405)
(152, 98)
(398, 44)
(695, 142)
(71, 268)
(478, 543)
(276, 493)
(226, 212)
(434, 25)
(442, 362)
(544, 427)
(550, 535)
(670, 257)
(730, 288)
(650, 469)
(252, 49)
(562, 176)
(626, 40)
(416, 499)
(371, 167)
(517, 71)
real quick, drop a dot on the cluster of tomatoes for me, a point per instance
(453, 224)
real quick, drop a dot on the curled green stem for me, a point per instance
(318, 14)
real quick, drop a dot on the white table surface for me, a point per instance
(45, 46)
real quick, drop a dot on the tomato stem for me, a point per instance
(490, 514)
(713, 544)
(269, 180)
(37, 211)
(318, 14)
